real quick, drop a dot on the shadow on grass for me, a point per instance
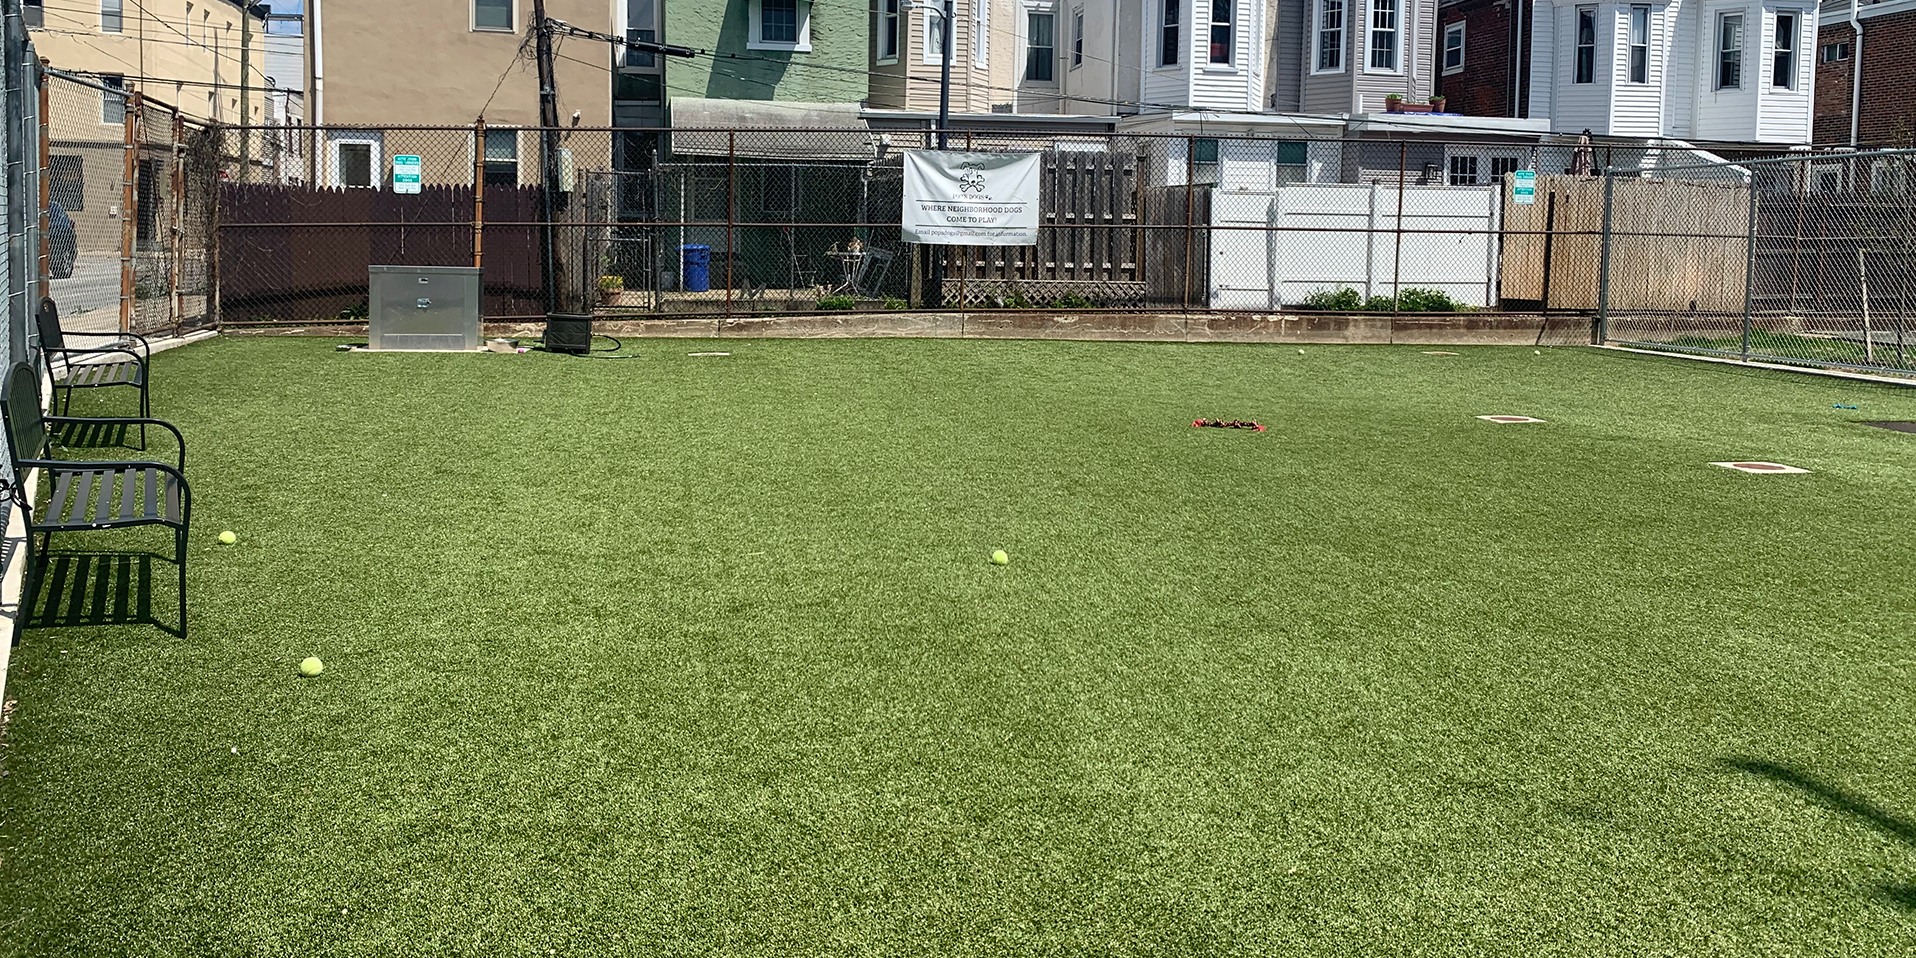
(1855, 806)
(97, 588)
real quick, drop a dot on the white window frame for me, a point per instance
(1717, 50)
(1396, 31)
(1473, 177)
(1824, 50)
(1024, 58)
(755, 29)
(376, 161)
(888, 18)
(1453, 30)
(1638, 42)
(1077, 37)
(472, 15)
(518, 155)
(119, 16)
(1577, 45)
(1169, 55)
(981, 34)
(1230, 51)
(935, 22)
(1317, 35)
(1795, 49)
(125, 97)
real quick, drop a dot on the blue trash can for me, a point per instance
(695, 271)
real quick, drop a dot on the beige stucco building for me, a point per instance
(374, 64)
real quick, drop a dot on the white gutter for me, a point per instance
(1856, 76)
(317, 104)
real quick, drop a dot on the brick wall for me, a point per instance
(1483, 87)
(1889, 82)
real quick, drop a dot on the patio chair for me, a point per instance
(870, 281)
(88, 494)
(114, 365)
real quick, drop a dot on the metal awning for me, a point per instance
(769, 129)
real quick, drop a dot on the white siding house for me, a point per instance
(1208, 54)
(1736, 70)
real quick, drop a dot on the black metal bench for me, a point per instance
(88, 494)
(113, 365)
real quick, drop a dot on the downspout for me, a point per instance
(1856, 76)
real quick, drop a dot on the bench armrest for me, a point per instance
(64, 352)
(145, 346)
(123, 420)
(117, 465)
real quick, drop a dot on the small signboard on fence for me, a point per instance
(405, 174)
(1523, 190)
(971, 199)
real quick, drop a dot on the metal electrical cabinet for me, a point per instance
(423, 307)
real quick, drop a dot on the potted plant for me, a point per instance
(609, 289)
(1393, 103)
(1437, 103)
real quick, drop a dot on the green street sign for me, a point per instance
(1523, 189)
(405, 174)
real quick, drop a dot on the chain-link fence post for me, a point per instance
(731, 215)
(1749, 266)
(216, 138)
(46, 185)
(129, 200)
(1190, 174)
(1603, 262)
(479, 201)
(177, 228)
(1397, 252)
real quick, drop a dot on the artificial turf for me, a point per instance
(705, 656)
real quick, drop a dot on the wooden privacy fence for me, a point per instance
(1677, 246)
(1091, 203)
(292, 253)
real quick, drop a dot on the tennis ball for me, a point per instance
(312, 666)
(1300, 352)
(1537, 351)
(999, 558)
(228, 538)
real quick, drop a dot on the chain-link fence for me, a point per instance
(667, 223)
(129, 235)
(1801, 259)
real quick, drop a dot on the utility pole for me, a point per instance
(548, 122)
(944, 77)
(246, 91)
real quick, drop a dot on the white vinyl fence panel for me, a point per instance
(1275, 248)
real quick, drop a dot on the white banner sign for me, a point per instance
(971, 199)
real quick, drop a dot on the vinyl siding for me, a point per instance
(1290, 37)
(1637, 108)
(1727, 114)
(1165, 86)
(1218, 86)
(1543, 61)
(1783, 114)
(1682, 71)
(1582, 106)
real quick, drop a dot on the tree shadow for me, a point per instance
(1848, 803)
(96, 588)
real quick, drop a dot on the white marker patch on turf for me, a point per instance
(1438, 352)
(1773, 468)
(1507, 420)
(708, 354)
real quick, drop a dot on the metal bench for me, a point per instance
(114, 365)
(88, 494)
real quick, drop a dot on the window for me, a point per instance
(1170, 19)
(888, 33)
(1454, 48)
(1463, 171)
(1729, 51)
(1204, 161)
(1501, 165)
(354, 163)
(1586, 60)
(1783, 68)
(492, 15)
(1330, 36)
(1077, 38)
(1043, 48)
(934, 38)
(113, 99)
(502, 157)
(1833, 52)
(1640, 44)
(1888, 175)
(1293, 163)
(1383, 35)
(981, 34)
(112, 19)
(186, 22)
(779, 25)
(34, 12)
(66, 180)
(1222, 42)
(641, 27)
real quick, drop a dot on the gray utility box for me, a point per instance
(423, 307)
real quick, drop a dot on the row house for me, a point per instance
(1866, 73)
(1699, 70)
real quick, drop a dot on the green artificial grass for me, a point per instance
(706, 656)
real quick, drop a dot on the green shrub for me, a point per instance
(840, 301)
(1071, 301)
(1419, 299)
(893, 302)
(1343, 297)
(354, 312)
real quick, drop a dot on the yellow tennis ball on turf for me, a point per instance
(312, 666)
(1000, 558)
(228, 538)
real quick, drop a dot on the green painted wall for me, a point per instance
(839, 38)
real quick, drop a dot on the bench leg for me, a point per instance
(179, 557)
(146, 409)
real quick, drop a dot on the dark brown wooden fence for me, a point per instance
(300, 254)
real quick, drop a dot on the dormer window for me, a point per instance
(1383, 36)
